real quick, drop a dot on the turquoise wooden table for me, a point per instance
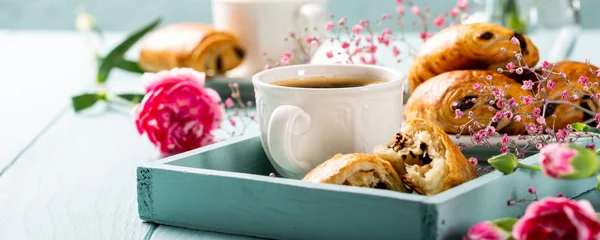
(72, 176)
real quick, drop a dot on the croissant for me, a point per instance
(357, 169)
(426, 158)
(438, 99)
(195, 45)
(565, 113)
(474, 46)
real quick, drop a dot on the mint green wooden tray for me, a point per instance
(225, 188)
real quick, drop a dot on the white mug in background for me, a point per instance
(302, 127)
(262, 26)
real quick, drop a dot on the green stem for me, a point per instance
(534, 168)
(119, 100)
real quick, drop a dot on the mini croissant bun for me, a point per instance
(194, 45)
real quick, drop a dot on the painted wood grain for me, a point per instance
(37, 78)
(77, 182)
(164, 232)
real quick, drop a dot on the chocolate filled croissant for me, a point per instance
(194, 45)
(473, 46)
(438, 99)
(565, 113)
(357, 169)
(426, 158)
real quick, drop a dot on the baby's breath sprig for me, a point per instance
(539, 131)
(359, 43)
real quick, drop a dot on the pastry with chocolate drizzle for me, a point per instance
(474, 46)
(426, 158)
(191, 45)
(565, 113)
(437, 100)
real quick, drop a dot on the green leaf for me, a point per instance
(598, 186)
(505, 224)
(132, 97)
(580, 127)
(117, 54)
(127, 65)
(83, 101)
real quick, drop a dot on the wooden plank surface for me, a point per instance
(77, 182)
(38, 75)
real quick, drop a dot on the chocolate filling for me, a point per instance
(522, 43)
(550, 108)
(486, 35)
(464, 104)
(219, 64)
(381, 185)
(239, 52)
(585, 103)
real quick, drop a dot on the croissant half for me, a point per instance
(473, 46)
(438, 99)
(426, 158)
(357, 169)
(195, 45)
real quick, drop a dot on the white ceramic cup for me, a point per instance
(262, 26)
(303, 127)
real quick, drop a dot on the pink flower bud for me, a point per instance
(583, 80)
(515, 41)
(395, 51)
(415, 10)
(510, 66)
(565, 95)
(329, 54)
(329, 26)
(357, 29)
(458, 113)
(342, 21)
(462, 4)
(454, 12)
(345, 45)
(560, 160)
(400, 9)
(439, 22)
(545, 64)
(519, 71)
(527, 85)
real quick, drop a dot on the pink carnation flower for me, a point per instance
(486, 230)
(177, 113)
(558, 218)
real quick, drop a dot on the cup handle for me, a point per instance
(285, 122)
(308, 15)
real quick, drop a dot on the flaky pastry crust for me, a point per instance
(473, 46)
(194, 45)
(437, 100)
(357, 169)
(426, 158)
